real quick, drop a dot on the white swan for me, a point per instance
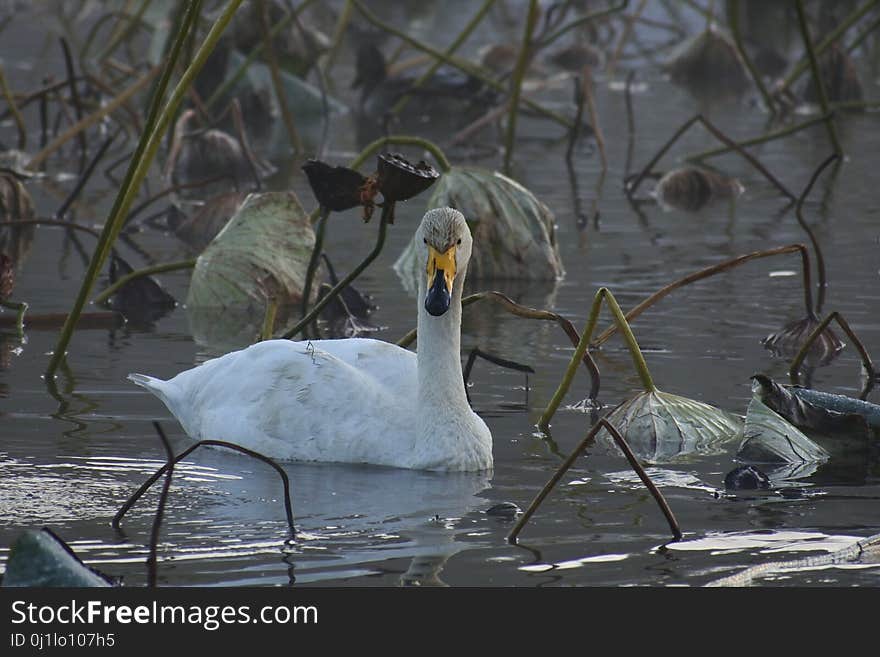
(355, 400)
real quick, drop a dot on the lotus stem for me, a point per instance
(817, 75)
(733, 19)
(21, 308)
(402, 140)
(628, 22)
(594, 117)
(522, 63)
(74, 97)
(720, 136)
(566, 465)
(387, 213)
(269, 318)
(770, 136)
(338, 33)
(16, 114)
(130, 502)
(711, 271)
(820, 260)
(805, 63)
(88, 121)
(140, 273)
(574, 133)
(277, 82)
(461, 65)
(454, 46)
(84, 178)
(528, 313)
(313, 260)
(51, 222)
(154, 129)
(862, 36)
(633, 346)
(794, 368)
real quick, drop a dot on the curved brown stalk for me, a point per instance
(514, 308)
(160, 507)
(706, 272)
(634, 463)
(820, 260)
(130, 502)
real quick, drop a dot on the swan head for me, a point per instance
(444, 242)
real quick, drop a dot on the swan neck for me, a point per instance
(439, 351)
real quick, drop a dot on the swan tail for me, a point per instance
(164, 390)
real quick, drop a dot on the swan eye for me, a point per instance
(459, 241)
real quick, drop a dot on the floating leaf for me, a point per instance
(514, 233)
(661, 427)
(769, 438)
(788, 341)
(691, 189)
(709, 64)
(842, 404)
(262, 252)
(41, 559)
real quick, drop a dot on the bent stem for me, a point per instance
(770, 136)
(720, 136)
(631, 343)
(794, 368)
(387, 213)
(820, 260)
(140, 273)
(21, 308)
(634, 463)
(160, 507)
(154, 129)
(717, 269)
(528, 313)
(522, 62)
(131, 501)
(817, 76)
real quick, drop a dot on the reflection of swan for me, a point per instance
(355, 400)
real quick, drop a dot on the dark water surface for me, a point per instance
(71, 455)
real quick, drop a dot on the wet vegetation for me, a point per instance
(217, 161)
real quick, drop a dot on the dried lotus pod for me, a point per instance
(335, 188)
(399, 180)
(788, 341)
(691, 189)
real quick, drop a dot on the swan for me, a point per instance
(354, 400)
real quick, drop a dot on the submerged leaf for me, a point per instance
(746, 477)
(41, 559)
(691, 189)
(514, 233)
(769, 438)
(661, 427)
(262, 252)
(839, 77)
(142, 300)
(788, 341)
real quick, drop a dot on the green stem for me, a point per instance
(817, 76)
(313, 261)
(21, 307)
(277, 82)
(402, 140)
(805, 64)
(770, 136)
(629, 338)
(733, 16)
(455, 62)
(269, 318)
(120, 34)
(519, 71)
(154, 129)
(16, 114)
(460, 39)
(387, 213)
(140, 273)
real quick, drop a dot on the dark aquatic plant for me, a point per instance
(690, 188)
(335, 188)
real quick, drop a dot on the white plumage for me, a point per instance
(355, 400)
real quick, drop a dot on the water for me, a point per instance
(72, 452)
